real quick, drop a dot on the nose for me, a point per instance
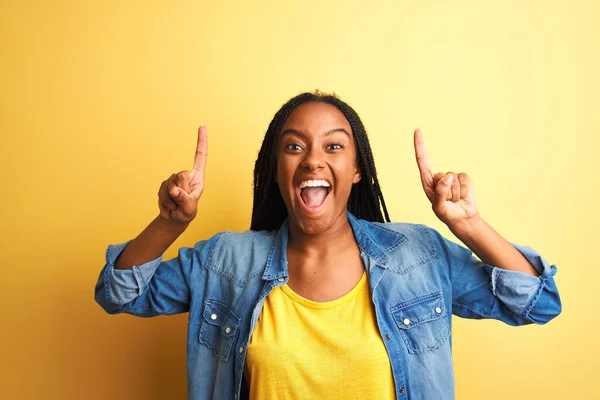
(313, 160)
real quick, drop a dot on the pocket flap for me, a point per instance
(418, 310)
(218, 314)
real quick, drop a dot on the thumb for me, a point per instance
(178, 195)
(443, 187)
(186, 204)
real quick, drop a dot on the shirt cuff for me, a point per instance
(124, 285)
(520, 291)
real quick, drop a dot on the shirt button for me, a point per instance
(213, 317)
(241, 349)
(406, 321)
(387, 336)
(281, 279)
(402, 390)
(227, 330)
(438, 310)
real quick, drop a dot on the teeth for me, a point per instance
(314, 183)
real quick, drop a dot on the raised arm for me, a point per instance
(453, 202)
(516, 275)
(178, 204)
(134, 279)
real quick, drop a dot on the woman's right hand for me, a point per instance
(178, 196)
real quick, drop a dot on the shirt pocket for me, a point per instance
(218, 328)
(422, 322)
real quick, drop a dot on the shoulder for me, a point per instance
(237, 243)
(407, 228)
(249, 237)
(407, 232)
(236, 254)
(415, 244)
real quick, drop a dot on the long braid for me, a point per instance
(366, 199)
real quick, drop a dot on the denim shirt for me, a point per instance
(417, 278)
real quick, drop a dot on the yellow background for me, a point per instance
(100, 102)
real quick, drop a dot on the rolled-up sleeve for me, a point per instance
(535, 298)
(124, 285)
(154, 288)
(480, 290)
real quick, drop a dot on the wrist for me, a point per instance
(170, 225)
(468, 227)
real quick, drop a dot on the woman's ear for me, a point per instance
(356, 177)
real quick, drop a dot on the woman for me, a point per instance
(322, 298)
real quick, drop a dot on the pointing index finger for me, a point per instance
(422, 159)
(201, 151)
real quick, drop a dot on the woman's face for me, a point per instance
(316, 166)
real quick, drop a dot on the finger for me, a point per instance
(178, 195)
(172, 187)
(465, 184)
(443, 191)
(197, 191)
(455, 188)
(164, 211)
(187, 205)
(165, 198)
(182, 180)
(436, 180)
(438, 177)
(201, 154)
(422, 160)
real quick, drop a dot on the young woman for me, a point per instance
(322, 298)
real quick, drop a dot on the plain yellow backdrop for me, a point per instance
(100, 102)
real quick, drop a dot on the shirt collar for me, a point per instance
(374, 240)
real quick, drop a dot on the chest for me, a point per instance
(324, 279)
(302, 348)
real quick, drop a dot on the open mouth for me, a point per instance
(314, 192)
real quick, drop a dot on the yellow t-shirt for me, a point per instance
(302, 349)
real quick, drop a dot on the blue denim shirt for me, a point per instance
(418, 279)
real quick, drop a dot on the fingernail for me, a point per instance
(448, 178)
(174, 192)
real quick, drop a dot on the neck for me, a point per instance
(338, 237)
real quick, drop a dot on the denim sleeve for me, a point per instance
(154, 288)
(480, 290)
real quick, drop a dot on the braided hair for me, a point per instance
(365, 200)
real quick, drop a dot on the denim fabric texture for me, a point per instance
(417, 278)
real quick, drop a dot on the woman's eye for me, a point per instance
(293, 146)
(334, 146)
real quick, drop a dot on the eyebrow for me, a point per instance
(302, 135)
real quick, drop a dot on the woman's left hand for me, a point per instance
(451, 195)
